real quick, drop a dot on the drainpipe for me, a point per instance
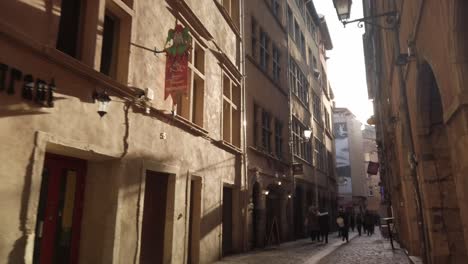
(409, 130)
(290, 137)
(244, 129)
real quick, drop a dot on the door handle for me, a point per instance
(39, 229)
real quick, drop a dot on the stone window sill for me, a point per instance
(192, 127)
(226, 145)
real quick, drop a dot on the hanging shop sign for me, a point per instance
(32, 89)
(178, 46)
(373, 168)
(297, 169)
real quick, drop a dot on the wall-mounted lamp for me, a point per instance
(343, 10)
(307, 134)
(103, 100)
(289, 196)
(265, 192)
(279, 182)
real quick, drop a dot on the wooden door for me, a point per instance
(153, 232)
(227, 220)
(60, 210)
(194, 222)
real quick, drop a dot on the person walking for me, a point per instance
(352, 220)
(343, 223)
(324, 224)
(359, 223)
(312, 223)
(369, 223)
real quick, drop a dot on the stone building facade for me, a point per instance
(415, 71)
(150, 181)
(269, 158)
(287, 92)
(310, 96)
(374, 195)
(351, 173)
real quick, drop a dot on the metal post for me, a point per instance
(390, 235)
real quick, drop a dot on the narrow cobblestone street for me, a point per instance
(367, 250)
(362, 250)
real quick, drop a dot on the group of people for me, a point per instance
(318, 223)
(350, 220)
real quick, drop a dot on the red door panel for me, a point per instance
(60, 210)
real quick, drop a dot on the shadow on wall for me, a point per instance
(211, 220)
(18, 251)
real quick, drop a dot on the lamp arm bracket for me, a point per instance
(391, 19)
(155, 51)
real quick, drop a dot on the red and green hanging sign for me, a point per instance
(178, 46)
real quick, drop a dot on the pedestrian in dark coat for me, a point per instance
(352, 221)
(324, 223)
(369, 222)
(359, 223)
(312, 223)
(343, 222)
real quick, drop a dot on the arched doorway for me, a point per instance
(299, 231)
(441, 211)
(273, 214)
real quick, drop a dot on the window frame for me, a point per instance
(317, 107)
(278, 138)
(230, 7)
(253, 36)
(301, 147)
(290, 22)
(266, 131)
(187, 111)
(264, 54)
(276, 63)
(234, 107)
(112, 71)
(275, 8)
(299, 83)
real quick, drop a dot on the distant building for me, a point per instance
(310, 96)
(371, 165)
(351, 175)
(287, 93)
(269, 155)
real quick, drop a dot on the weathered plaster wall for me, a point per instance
(438, 41)
(125, 137)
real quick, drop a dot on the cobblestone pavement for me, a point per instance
(367, 250)
(297, 252)
(359, 250)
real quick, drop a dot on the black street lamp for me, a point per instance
(103, 100)
(343, 10)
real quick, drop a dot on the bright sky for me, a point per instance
(346, 69)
